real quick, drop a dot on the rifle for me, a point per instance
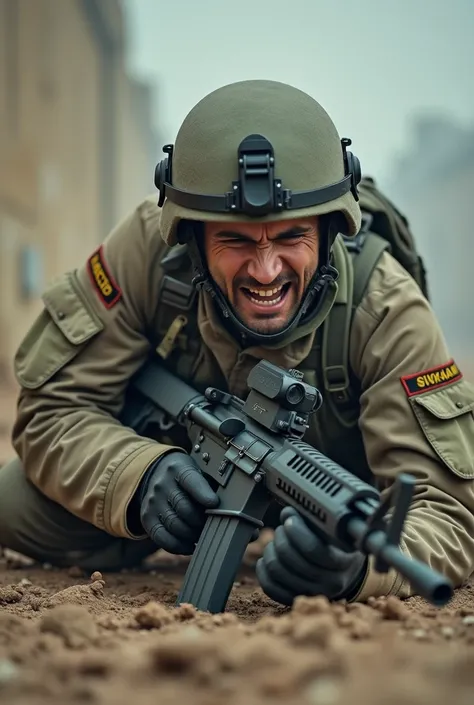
(254, 452)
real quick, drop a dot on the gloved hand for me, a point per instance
(299, 562)
(173, 497)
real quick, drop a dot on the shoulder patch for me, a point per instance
(433, 378)
(107, 289)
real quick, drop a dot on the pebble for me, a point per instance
(8, 671)
(447, 632)
(419, 634)
(324, 691)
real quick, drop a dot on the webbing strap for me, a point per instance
(176, 321)
(364, 263)
(341, 388)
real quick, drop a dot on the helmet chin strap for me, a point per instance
(190, 232)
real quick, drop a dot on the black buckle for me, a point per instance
(336, 382)
(356, 242)
(176, 293)
(257, 192)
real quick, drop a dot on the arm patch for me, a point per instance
(107, 289)
(436, 377)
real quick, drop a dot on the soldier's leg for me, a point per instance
(35, 526)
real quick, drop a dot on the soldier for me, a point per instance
(258, 199)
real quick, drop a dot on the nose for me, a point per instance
(265, 265)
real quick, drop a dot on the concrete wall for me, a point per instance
(76, 152)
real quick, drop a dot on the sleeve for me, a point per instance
(73, 367)
(416, 417)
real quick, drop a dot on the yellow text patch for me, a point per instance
(431, 379)
(109, 292)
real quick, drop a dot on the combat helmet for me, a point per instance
(258, 150)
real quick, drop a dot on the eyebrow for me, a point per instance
(291, 232)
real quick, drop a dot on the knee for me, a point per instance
(35, 526)
(26, 515)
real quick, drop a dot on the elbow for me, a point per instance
(445, 541)
(42, 422)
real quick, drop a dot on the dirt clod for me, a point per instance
(153, 616)
(66, 636)
(9, 594)
(72, 623)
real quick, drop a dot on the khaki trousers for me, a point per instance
(35, 526)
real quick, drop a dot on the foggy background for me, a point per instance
(90, 90)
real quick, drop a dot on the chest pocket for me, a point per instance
(447, 419)
(59, 333)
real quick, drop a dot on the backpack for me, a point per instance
(381, 218)
(383, 229)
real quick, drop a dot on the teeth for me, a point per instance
(272, 302)
(266, 292)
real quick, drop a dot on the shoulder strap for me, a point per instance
(179, 343)
(336, 329)
(342, 392)
(364, 262)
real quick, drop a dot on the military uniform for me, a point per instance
(68, 500)
(83, 466)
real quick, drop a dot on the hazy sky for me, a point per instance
(371, 63)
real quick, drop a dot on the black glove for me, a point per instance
(300, 562)
(173, 497)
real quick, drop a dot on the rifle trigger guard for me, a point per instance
(235, 514)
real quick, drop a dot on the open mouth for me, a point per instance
(267, 297)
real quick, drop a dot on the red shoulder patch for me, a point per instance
(433, 378)
(105, 285)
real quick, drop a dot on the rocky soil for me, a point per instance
(67, 637)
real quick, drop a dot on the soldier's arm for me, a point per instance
(74, 366)
(416, 417)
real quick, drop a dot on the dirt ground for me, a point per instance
(66, 637)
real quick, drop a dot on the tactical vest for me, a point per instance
(334, 427)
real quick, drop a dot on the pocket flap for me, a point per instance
(57, 335)
(448, 402)
(70, 312)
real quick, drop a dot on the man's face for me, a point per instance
(263, 268)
